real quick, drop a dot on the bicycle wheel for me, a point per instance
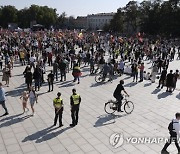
(110, 107)
(98, 78)
(128, 107)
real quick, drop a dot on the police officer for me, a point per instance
(58, 105)
(75, 101)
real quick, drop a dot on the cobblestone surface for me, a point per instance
(21, 133)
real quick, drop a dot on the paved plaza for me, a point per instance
(154, 108)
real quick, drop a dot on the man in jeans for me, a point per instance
(2, 99)
(174, 134)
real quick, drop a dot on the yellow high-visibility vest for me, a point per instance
(58, 102)
(76, 99)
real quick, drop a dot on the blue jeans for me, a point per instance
(4, 106)
(76, 78)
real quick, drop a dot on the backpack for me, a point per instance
(170, 127)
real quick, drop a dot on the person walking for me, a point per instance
(3, 99)
(62, 67)
(37, 78)
(75, 101)
(169, 81)
(32, 98)
(134, 69)
(176, 77)
(50, 81)
(55, 69)
(28, 78)
(141, 68)
(76, 73)
(6, 75)
(58, 106)
(154, 73)
(24, 98)
(174, 131)
(162, 78)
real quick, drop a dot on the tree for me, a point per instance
(8, 15)
(131, 16)
(116, 23)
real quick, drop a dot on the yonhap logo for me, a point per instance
(116, 140)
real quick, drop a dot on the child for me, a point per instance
(24, 100)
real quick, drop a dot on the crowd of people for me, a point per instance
(68, 51)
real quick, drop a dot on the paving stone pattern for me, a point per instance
(21, 133)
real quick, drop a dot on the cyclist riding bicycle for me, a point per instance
(118, 95)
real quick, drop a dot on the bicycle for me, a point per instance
(100, 78)
(111, 106)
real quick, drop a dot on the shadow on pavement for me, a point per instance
(96, 84)
(163, 95)
(107, 119)
(44, 135)
(178, 96)
(156, 91)
(67, 85)
(147, 84)
(131, 84)
(51, 135)
(126, 78)
(17, 91)
(14, 121)
(10, 117)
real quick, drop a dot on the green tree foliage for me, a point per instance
(8, 14)
(117, 21)
(152, 17)
(41, 14)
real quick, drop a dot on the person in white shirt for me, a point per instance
(174, 134)
(32, 60)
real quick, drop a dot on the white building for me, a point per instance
(98, 21)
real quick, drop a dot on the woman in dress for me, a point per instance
(6, 75)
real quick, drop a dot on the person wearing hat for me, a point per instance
(75, 101)
(58, 106)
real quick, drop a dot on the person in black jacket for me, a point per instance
(62, 67)
(37, 78)
(162, 78)
(50, 80)
(28, 78)
(169, 81)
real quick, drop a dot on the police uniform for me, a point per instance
(75, 102)
(58, 105)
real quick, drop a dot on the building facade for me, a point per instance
(94, 21)
(81, 23)
(98, 21)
